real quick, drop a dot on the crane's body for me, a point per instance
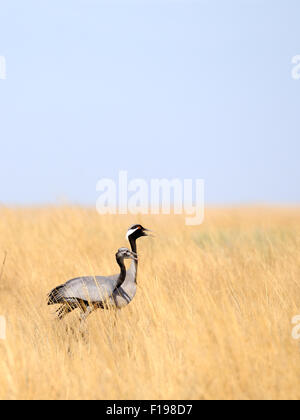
(124, 294)
(90, 293)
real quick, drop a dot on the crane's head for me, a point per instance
(124, 253)
(137, 231)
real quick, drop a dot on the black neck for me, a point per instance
(132, 244)
(120, 261)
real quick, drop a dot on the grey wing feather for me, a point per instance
(91, 289)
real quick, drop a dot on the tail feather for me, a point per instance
(63, 310)
(55, 296)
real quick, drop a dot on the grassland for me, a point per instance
(211, 320)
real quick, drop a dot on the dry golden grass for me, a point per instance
(211, 319)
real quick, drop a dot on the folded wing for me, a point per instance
(90, 289)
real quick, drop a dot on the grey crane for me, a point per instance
(124, 294)
(89, 293)
(117, 294)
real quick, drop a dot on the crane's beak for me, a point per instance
(134, 256)
(148, 232)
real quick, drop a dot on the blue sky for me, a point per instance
(185, 89)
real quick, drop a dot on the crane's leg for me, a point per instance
(86, 311)
(84, 315)
(115, 312)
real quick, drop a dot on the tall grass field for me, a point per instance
(211, 318)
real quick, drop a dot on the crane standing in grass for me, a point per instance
(90, 293)
(124, 294)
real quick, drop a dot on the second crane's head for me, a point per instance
(136, 231)
(124, 253)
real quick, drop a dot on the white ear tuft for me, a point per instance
(130, 232)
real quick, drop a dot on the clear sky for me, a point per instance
(165, 88)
